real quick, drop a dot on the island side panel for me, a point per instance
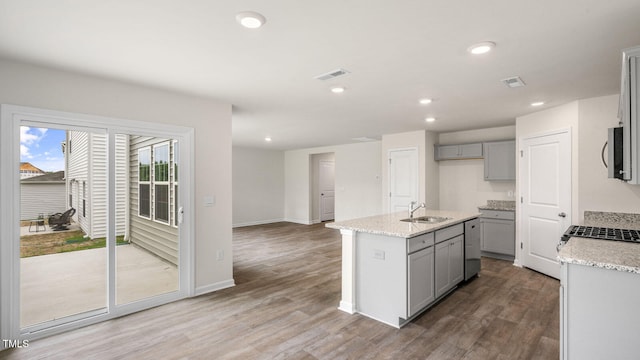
(348, 301)
(381, 277)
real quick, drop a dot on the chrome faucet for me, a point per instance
(412, 209)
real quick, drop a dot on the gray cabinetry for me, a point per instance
(421, 281)
(449, 259)
(497, 234)
(598, 313)
(500, 160)
(458, 151)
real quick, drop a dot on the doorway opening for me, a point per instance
(94, 223)
(323, 187)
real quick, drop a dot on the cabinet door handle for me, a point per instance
(562, 215)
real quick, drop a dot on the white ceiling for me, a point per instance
(397, 52)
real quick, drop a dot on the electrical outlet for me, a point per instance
(378, 254)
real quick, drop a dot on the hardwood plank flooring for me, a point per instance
(284, 306)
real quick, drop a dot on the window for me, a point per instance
(144, 182)
(161, 182)
(84, 199)
(176, 160)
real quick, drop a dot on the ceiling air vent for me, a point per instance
(513, 82)
(332, 74)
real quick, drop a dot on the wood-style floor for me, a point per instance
(285, 307)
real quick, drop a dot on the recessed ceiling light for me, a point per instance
(481, 48)
(338, 89)
(267, 139)
(425, 101)
(250, 19)
(430, 119)
(537, 103)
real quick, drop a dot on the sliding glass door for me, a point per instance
(99, 209)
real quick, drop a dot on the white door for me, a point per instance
(545, 189)
(327, 189)
(403, 178)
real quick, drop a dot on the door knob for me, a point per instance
(562, 215)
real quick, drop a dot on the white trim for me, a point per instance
(175, 184)
(260, 222)
(154, 182)
(11, 118)
(148, 182)
(299, 221)
(205, 289)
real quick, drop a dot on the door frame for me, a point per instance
(417, 168)
(11, 117)
(320, 203)
(520, 228)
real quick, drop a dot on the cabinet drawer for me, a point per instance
(449, 232)
(498, 214)
(419, 242)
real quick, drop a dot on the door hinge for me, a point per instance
(389, 194)
(521, 246)
(389, 161)
(521, 153)
(521, 200)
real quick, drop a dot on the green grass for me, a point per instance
(85, 243)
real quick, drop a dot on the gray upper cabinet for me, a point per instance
(459, 151)
(500, 160)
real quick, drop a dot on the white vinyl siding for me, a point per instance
(87, 164)
(154, 236)
(41, 198)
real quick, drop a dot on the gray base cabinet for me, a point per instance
(599, 314)
(497, 232)
(449, 264)
(397, 278)
(421, 281)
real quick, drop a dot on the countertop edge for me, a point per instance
(566, 256)
(405, 234)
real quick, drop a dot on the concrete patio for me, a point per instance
(58, 285)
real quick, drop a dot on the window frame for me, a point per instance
(147, 182)
(175, 161)
(155, 183)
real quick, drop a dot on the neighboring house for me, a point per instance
(145, 194)
(42, 195)
(27, 170)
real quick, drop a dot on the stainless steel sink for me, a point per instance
(426, 219)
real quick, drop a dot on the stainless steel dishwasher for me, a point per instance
(471, 248)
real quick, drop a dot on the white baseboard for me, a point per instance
(347, 307)
(260, 222)
(299, 221)
(214, 287)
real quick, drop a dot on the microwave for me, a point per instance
(616, 154)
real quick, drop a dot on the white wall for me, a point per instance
(462, 184)
(357, 180)
(258, 186)
(596, 192)
(34, 86)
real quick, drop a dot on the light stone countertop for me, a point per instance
(390, 224)
(607, 254)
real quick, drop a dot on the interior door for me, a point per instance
(403, 178)
(327, 190)
(545, 211)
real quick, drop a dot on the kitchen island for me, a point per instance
(599, 292)
(393, 270)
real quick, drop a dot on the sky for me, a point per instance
(41, 147)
